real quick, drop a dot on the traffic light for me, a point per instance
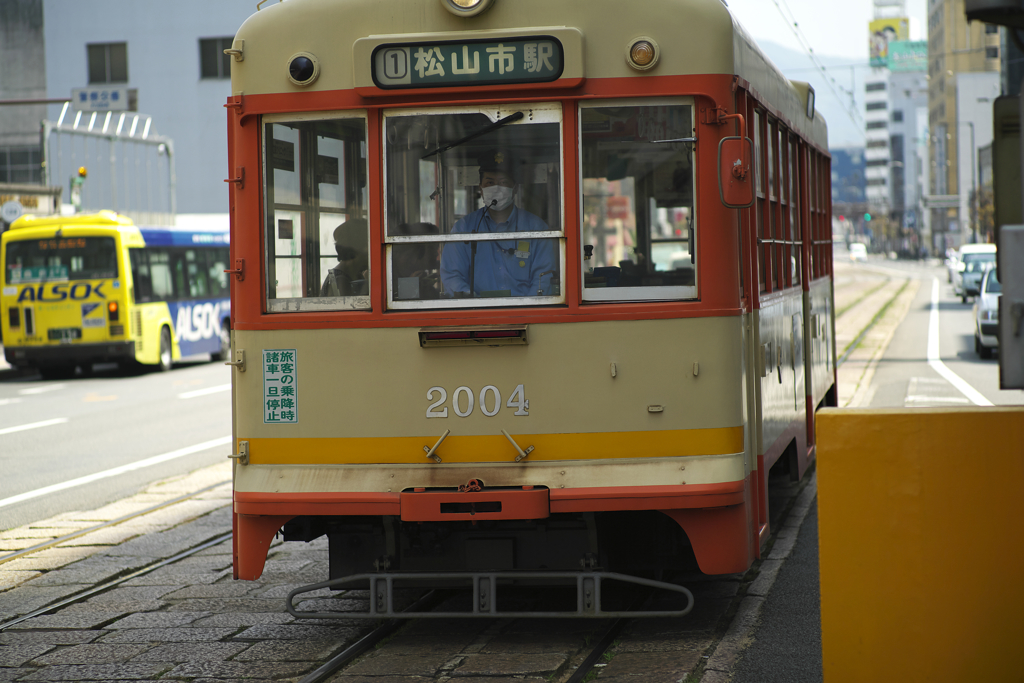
(867, 217)
(842, 218)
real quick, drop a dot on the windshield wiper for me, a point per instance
(511, 118)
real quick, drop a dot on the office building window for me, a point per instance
(991, 28)
(21, 165)
(875, 106)
(108, 62)
(991, 53)
(875, 87)
(213, 63)
(874, 125)
(897, 116)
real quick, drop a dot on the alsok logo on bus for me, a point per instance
(62, 291)
(197, 321)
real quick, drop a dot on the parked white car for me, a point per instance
(858, 252)
(974, 259)
(986, 314)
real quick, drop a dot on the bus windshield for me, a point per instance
(61, 258)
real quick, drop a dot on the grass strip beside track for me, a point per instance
(867, 328)
(862, 297)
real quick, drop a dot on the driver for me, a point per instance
(527, 267)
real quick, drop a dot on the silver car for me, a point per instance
(986, 314)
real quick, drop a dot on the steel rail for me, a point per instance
(365, 643)
(113, 522)
(874, 321)
(602, 646)
(116, 582)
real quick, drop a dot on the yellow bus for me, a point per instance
(96, 288)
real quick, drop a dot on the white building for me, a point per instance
(172, 55)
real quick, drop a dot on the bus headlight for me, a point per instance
(466, 8)
(643, 53)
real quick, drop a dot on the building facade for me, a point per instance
(172, 55)
(964, 80)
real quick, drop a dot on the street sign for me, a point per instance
(941, 201)
(104, 98)
(11, 211)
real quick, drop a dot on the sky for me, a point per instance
(832, 27)
(837, 31)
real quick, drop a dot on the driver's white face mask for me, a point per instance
(497, 197)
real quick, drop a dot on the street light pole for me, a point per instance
(974, 184)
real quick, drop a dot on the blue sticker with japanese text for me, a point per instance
(280, 387)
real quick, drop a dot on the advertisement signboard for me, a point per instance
(881, 32)
(908, 55)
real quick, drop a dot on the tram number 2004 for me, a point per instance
(490, 401)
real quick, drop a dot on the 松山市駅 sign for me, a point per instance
(537, 59)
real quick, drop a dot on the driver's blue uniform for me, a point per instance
(521, 267)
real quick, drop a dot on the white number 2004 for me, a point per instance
(463, 401)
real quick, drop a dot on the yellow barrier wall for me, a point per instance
(921, 532)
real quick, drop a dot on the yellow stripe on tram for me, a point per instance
(548, 447)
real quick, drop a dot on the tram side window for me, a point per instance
(316, 220)
(492, 174)
(638, 202)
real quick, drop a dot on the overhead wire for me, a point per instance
(830, 81)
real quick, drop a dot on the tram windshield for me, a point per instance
(473, 206)
(638, 209)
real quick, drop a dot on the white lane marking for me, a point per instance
(9, 401)
(41, 390)
(106, 474)
(203, 392)
(33, 425)
(933, 354)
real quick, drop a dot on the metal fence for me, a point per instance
(130, 168)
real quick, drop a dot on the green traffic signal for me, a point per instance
(867, 217)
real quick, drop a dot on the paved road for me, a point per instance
(787, 641)
(56, 432)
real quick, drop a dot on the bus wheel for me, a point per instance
(165, 350)
(225, 343)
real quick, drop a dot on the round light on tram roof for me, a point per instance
(643, 53)
(466, 8)
(303, 68)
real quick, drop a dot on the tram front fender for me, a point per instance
(253, 535)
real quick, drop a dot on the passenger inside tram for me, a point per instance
(349, 276)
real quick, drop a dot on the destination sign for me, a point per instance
(537, 59)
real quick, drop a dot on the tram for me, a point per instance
(521, 286)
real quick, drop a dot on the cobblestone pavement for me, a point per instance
(191, 621)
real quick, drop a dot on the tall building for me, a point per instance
(908, 135)
(22, 77)
(964, 80)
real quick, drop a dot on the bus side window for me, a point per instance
(196, 275)
(143, 283)
(217, 263)
(160, 274)
(178, 274)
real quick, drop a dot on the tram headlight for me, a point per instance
(303, 68)
(643, 53)
(466, 8)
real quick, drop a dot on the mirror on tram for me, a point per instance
(735, 174)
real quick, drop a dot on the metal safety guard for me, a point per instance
(485, 589)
